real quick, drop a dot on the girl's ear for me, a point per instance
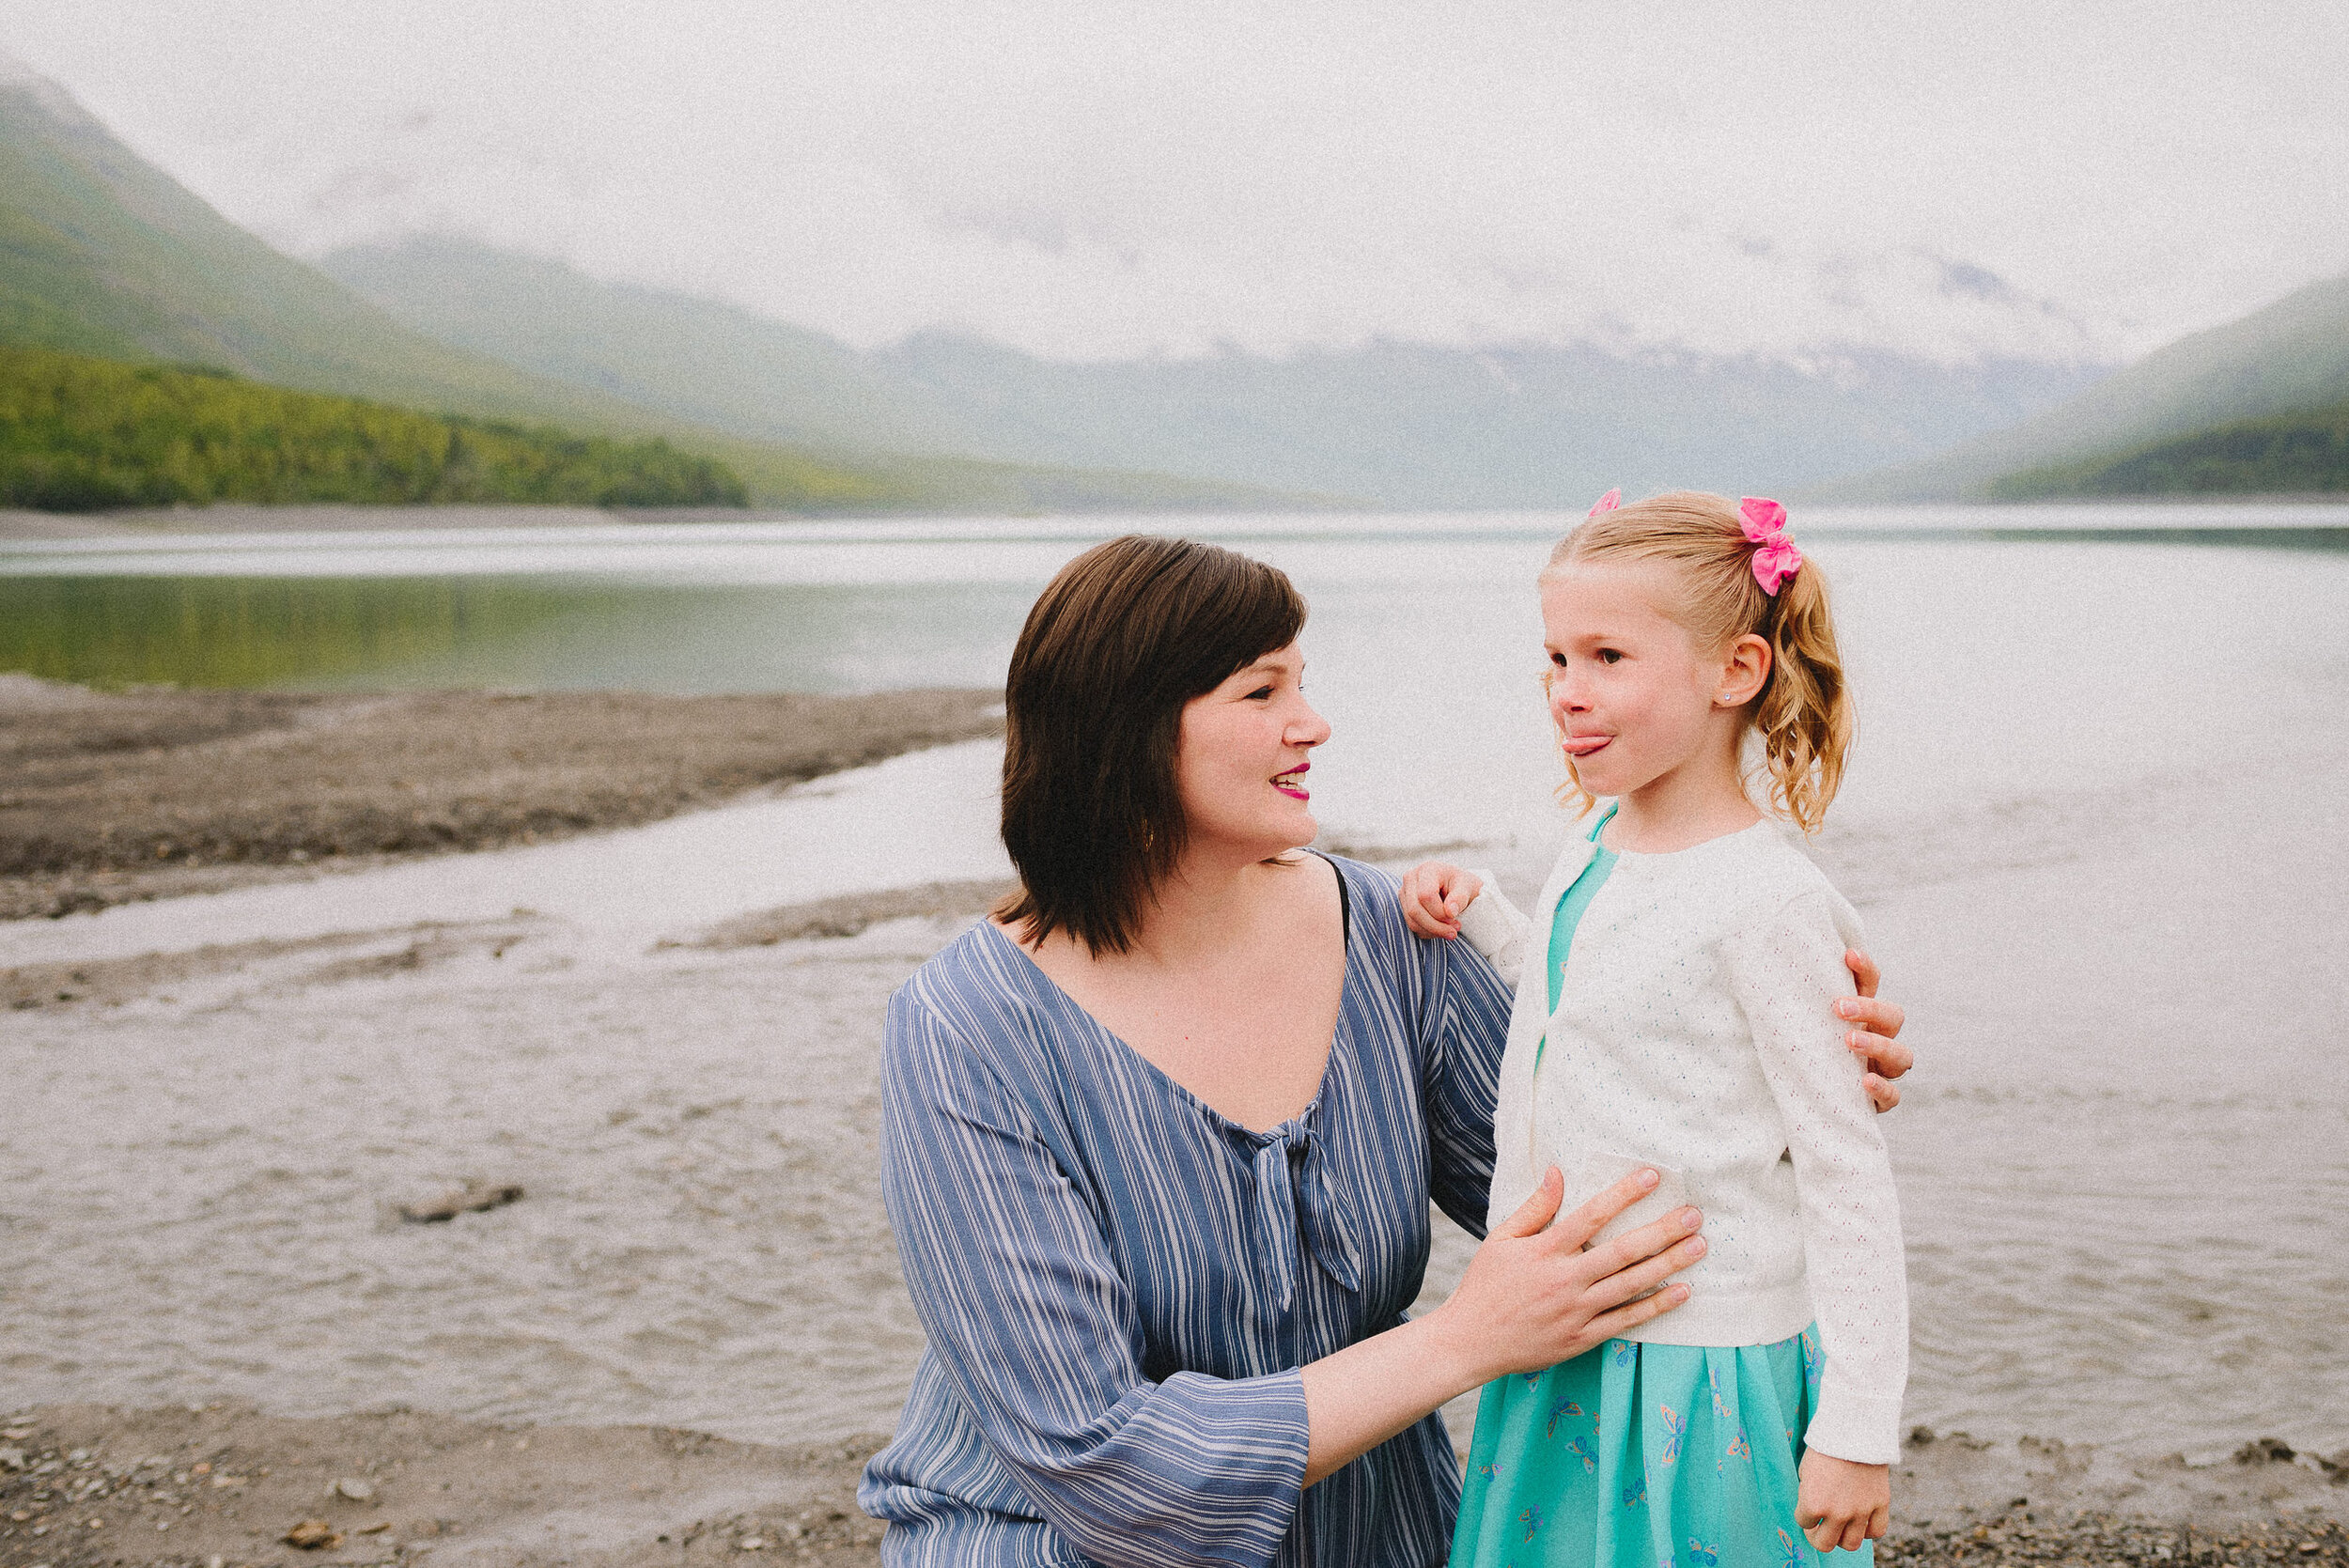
(1745, 668)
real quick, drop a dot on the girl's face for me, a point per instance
(1240, 763)
(1636, 698)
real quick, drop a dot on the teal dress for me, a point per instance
(1641, 1455)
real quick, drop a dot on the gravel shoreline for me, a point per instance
(220, 1485)
(113, 797)
(225, 1484)
(2013, 1538)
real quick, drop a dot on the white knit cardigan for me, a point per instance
(1696, 1031)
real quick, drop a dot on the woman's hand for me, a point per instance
(1434, 895)
(1874, 1040)
(1532, 1297)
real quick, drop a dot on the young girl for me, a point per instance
(1678, 1017)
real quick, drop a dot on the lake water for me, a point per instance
(2092, 821)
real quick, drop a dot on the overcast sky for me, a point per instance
(2058, 180)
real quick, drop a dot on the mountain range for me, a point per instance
(2289, 358)
(102, 252)
(1400, 425)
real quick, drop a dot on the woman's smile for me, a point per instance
(1292, 783)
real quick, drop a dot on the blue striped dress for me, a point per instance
(1119, 1285)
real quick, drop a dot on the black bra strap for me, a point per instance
(1346, 900)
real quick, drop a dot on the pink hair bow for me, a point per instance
(1775, 557)
(1606, 503)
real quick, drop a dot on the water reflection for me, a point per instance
(538, 633)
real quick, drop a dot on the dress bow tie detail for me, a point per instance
(1298, 1203)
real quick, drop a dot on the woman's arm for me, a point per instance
(1038, 1330)
(1040, 1333)
(1531, 1298)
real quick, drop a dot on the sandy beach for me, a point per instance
(687, 1329)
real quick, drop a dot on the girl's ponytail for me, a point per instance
(1803, 715)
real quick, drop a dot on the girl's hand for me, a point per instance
(1840, 1503)
(1874, 1040)
(1532, 1297)
(1434, 895)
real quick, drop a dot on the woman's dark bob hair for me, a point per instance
(1127, 634)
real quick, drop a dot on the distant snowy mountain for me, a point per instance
(1396, 423)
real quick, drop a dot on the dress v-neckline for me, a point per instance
(1122, 1047)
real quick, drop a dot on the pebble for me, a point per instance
(471, 1198)
(355, 1489)
(311, 1534)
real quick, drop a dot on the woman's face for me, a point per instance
(1240, 762)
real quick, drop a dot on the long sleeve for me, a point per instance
(1465, 1025)
(1039, 1334)
(1497, 928)
(1786, 971)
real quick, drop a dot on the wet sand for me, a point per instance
(113, 797)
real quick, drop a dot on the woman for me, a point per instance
(1160, 1136)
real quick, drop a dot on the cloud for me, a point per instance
(1082, 180)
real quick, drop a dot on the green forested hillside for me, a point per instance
(2290, 356)
(102, 252)
(2297, 453)
(81, 434)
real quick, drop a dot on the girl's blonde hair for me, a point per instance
(1803, 712)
